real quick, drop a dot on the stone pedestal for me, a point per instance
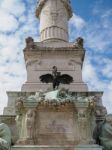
(40, 59)
(60, 119)
(57, 117)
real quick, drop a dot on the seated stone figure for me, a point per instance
(79, 42)
(5, 137)
(106, 133)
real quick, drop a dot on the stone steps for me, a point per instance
(57, 147)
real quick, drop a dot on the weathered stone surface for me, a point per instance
(47, 147)
(56, 117)
(41, 61)
(54, 16)
(10, 121)
(105, 133)
(34, 87)
(88, 147)
(30, 103)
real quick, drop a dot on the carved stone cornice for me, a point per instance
(29, 54)
(37, 48)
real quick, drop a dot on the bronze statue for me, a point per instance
(56, 78)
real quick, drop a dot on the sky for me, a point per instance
(92, 20)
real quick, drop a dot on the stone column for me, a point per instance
(54, 16)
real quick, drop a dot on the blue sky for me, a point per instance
(92, 19)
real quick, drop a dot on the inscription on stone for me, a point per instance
(58, 125)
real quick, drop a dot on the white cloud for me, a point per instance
(15, 7)
(97, 70)
(10, 47)
(9, 12)
(96, 32)
(96, 39)
(107, 68)
(90, 76)
(8, 22)
(20, 25)
(77, 22)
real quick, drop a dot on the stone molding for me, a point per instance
(29, 87)
(57, 147)
(54, 32)
(61, 52)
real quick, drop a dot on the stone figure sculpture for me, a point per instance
(56, 78)
(19, 105)
(5, 137)
(30, 43)
(79, 41)
(19, 111)
(30, 124)
(103, 133)
(25, 120)
(106, 133)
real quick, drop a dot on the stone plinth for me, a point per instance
(47, 147)
(61, 117)
(34, 87)
(57, 117)
(41, 57)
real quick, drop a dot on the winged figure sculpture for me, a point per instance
(56, 78)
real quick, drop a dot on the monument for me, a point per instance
(54, 109)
